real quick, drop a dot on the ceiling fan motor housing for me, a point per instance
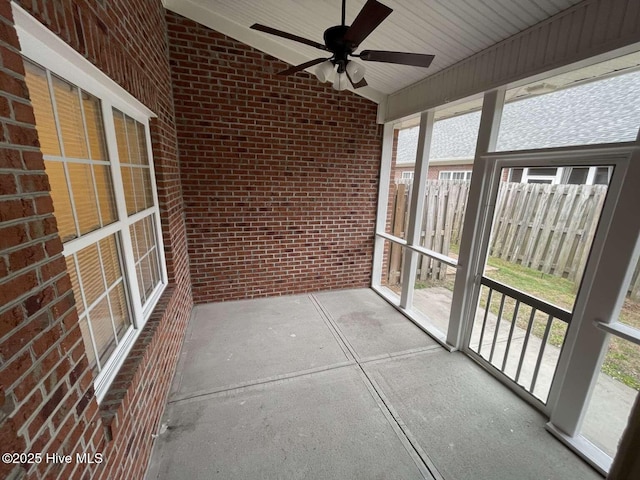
(334, 40)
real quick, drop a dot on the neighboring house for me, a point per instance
(561, 118)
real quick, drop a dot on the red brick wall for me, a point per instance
(47, 402)
(279, 174)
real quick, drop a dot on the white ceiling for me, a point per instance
(450, 29)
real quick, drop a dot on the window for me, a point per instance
(102, 186)
(562, 175)
(407, 175)
(455, 175)
(547, 175)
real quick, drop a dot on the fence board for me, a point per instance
(545, 227)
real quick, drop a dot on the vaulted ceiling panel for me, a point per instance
(451, 29)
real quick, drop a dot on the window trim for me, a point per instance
(46, 49)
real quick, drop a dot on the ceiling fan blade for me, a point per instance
(361, 83)
(402, 58)
(371, 15)
(302, 66)
(288, 36)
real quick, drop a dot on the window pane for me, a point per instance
(110, 259)
(602, 176)
(91, 273)
(133, 151)
(121, 136)
(70, 117)
(147, 201)
(516, 175)
(542, 171)
(73, 275)
(132, 140)
(36, 79)
(61, 200)
(155, 267)
(121, 318)
(100, 319)
(95, 129)
(137, 238)
(129, 190)
(105, 193)
(142, 144)
(88, 346)
(145, 254)
(578, 176)
(138, 179)
(146, 275)
(84, 196)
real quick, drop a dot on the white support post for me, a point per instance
(383, 201)
(473, 243)
(416, 207)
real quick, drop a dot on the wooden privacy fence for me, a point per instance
(548, 228)
(443, 217)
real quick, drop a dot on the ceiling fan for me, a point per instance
(342, 41)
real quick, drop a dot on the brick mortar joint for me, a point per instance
(29, 243)
(38, 288)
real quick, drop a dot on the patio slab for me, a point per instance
(373, 328)
(336, 401)
(231, 344)
(471, 426)
(321, 426)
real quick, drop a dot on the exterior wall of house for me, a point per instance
(279, 174)
(47, 401)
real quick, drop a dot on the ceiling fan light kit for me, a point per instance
(356, 71)
(342, 41)
(340, 82)
(326, 71)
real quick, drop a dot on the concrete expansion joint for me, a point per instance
(419, 456)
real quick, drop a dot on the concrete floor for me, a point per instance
(610, 404)
(339, 385)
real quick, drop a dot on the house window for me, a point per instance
(562, 175)
(407, 175)
(548, 175)
(102, 186)
(455, 175)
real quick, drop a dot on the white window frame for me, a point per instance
(406, 175)
(552, 179)
(450, 173)
(43, 47)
